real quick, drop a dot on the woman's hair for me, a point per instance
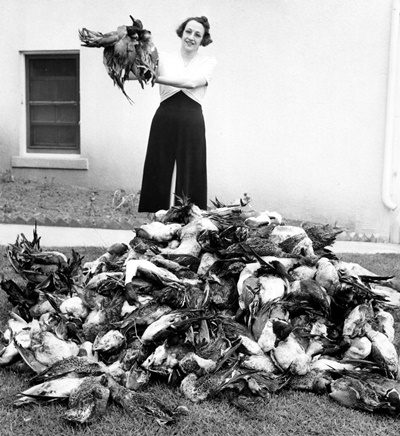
(202, 20)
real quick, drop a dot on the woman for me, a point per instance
(177, 134)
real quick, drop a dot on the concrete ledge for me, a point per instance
(365, 247)
(66, 237)
(64, 163)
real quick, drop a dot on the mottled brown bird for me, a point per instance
(88, 401)
(144, 402)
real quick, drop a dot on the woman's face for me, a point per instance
(192, 36)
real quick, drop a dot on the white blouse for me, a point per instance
(172, 65)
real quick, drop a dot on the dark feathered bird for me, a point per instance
(88, 401)
(321, 235)
(127, 49)
(23, 298)
(144, 402)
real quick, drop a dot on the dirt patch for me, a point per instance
(54, 204)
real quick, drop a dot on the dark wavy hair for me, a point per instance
(202, 20)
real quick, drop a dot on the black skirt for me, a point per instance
(177, 135)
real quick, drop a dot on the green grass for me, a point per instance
(287, 413)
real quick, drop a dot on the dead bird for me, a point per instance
(383, 352)
(166, 357)
(103, 316)
(321, 235)
(356, 320)
(108, 341)
(224, 375)
(88, 401)
(145, 403)
(128, 48)
(387, 390)
(143, 316)
(53, 390)
(170, 323)
(77, 365)
(316, 381)
(355, 394)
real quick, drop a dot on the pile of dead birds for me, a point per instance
(225, 300)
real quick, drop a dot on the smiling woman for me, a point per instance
(177, 135)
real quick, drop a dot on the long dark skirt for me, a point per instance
(177, 135)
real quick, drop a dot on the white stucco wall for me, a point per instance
(295, 114)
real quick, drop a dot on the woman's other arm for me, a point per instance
(182, 82)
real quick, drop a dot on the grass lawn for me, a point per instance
(287, 413)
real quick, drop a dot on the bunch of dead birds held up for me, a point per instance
(229, 302)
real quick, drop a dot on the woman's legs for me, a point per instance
(177, 134)
(191, 176)
(158, 167)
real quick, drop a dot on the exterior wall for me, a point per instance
(295, 115)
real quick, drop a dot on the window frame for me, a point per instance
(51, 149)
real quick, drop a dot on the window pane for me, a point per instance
(43, 135)
(66, 90)
(66, 114)
(39, 67)
(65, 67)
(43, 113)
(43, 90)
(67, 135)
(52, 67)
(55, 136)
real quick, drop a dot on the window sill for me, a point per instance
(66, 163)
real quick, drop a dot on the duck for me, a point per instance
(268, 312)
(144, 402)
(295, 355)
(388, 390)
(113, 254)
(193, 363)
(166, 357)
(143, 316)
(79, 366)
(88, 401)
(9, 354)
(21, 297)
(108, 341)
(199, 388)
(262, 363)
(359, 348)
(15, 324)
(316, 380)
(383, 352)
(28, 356)
(158, 231)
(235, 331)
(74, 307)
(137, 377)
(326, 275)
(385, 323)
(103, 316)
(52, 390)
(355, 322)
(321, 235)
(48, 348)
(354, 393)
(169, 323)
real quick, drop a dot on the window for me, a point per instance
(53, 103)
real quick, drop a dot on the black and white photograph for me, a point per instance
(200, 217)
